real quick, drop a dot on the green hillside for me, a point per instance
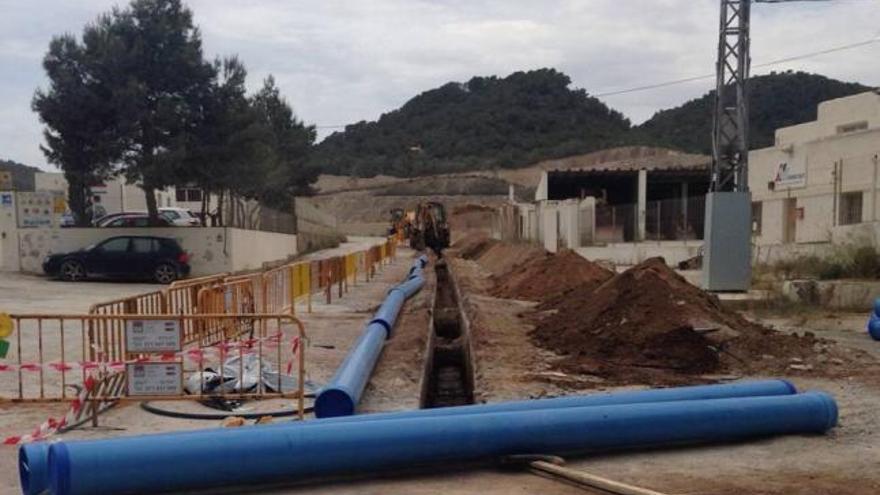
(776, 100)
(487, 122)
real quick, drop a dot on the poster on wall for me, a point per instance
(789, 176)
(40, 209)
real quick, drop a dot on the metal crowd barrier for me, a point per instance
(144, 357)
(54, 356)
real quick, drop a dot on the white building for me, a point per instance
(114, 195)
(820, 177)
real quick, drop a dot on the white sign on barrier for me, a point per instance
(146, 379)
(152, 336)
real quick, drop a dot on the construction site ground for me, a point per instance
(508, 364)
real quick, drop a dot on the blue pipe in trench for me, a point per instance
(34, 457)
(341, 395)
(251, 456)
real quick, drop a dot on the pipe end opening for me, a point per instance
(333, 402)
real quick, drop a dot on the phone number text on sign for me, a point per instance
(152, 336)
(154, 378)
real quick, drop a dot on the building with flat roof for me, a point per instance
(820, 177)
(610, 206)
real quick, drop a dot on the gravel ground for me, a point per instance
(331, 329)
(509, 366)
(842, 462)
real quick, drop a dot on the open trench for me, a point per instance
(448, 378)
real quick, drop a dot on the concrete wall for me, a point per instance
(212, 249)
(569, 224)
(251, 249)
(634, 253)
(549, 228)
(316, 227)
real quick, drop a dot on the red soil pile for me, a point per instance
(649, 325)
(499, 258)
(473, 246)
(548, 277)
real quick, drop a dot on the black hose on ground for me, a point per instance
(147, 406)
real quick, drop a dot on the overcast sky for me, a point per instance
(340, 62)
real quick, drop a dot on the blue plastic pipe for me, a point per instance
(873, 325)
(250, 456)
(756, 388)
(387, 313)
(341, 395)
(34, 458)
(33, 468)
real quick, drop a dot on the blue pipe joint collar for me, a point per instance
(59, 474)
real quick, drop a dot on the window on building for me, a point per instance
(853, 127)
(757, 214)
(189, 194)
(850, 208)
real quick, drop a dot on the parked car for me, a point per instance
(123, 257)
(180, 216)
(132, 220)
(67, 219)
(106, 218)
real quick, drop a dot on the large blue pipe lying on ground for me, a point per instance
(33, 458)
(341, 395)
(250, 456)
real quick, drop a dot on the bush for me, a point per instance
(865, 263)
(847, 262)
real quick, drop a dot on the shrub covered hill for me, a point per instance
(526, 117)
(484, 123)
(775, 100)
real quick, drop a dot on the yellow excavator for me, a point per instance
(429, 227)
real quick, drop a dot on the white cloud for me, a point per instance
(339, 61)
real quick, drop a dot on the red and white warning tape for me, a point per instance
(52, 425)
(198, 356)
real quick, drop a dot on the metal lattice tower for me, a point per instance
(730, 126)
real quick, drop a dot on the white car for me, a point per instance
(180, 216)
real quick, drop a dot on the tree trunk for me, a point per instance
(76, 193)
(219, 217)
(152, 207)
(204, 213)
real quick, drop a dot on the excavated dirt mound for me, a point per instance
(497, 257)
(549, 276)
(472, 247)
(649, 325)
